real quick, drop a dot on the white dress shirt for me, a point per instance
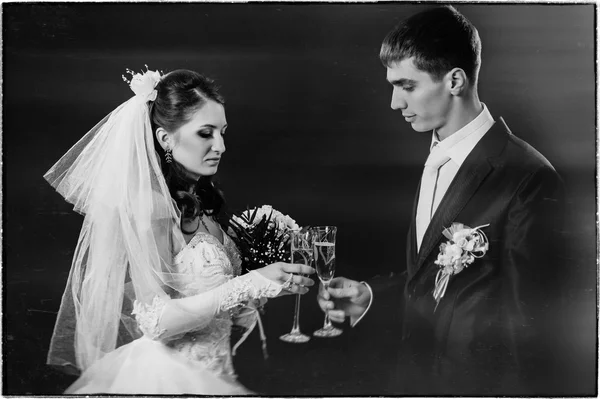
(457, 146)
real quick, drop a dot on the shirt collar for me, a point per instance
(459, 145)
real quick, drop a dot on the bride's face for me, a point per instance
(200, 143)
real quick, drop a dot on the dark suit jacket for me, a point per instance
(494, 330)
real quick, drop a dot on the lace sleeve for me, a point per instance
(167, 318)
(148, 317)
(242, 290)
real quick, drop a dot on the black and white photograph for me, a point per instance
(300, 199)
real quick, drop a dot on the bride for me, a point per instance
(155, 282)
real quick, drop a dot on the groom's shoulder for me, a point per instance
(520, 152)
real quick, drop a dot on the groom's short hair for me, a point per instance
(439, 39)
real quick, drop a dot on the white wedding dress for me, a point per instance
(199, 359)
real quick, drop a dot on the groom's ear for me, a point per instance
(457, 81)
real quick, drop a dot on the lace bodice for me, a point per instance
(207, 263)
(220, 258)
(207, 273)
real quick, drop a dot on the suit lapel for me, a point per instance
(412, 234)
(469, 177)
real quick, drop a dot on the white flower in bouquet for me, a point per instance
(262, 235)
(279, 220)
(287, 223)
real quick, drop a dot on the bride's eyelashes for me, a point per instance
(207, 134)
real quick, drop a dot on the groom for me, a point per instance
(493, 331)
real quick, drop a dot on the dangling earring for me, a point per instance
(169, 155)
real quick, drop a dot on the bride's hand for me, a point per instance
(290, 276)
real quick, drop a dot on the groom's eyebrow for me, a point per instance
(402, 82)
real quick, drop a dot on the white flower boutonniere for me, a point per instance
(464, 245)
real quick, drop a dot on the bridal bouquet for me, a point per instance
(262, 235)
(464, 245)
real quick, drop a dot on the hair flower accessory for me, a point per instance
(143, 84)
(464, 245)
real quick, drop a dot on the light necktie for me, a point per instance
(437, 158)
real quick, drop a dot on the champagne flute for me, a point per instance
(302, 252)
(324, 257)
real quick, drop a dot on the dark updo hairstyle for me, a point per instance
(180, 94)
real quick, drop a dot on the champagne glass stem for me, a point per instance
(296, 326)
(301, 252)
(327, 322)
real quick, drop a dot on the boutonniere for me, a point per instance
(464, 245)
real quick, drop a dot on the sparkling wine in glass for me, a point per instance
(324, 258)
(302, 253)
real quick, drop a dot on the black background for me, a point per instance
(310, 132)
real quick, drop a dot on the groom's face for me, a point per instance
(424, 102)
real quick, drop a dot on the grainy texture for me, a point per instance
(311, 133)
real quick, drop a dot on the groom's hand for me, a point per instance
(344, 297)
